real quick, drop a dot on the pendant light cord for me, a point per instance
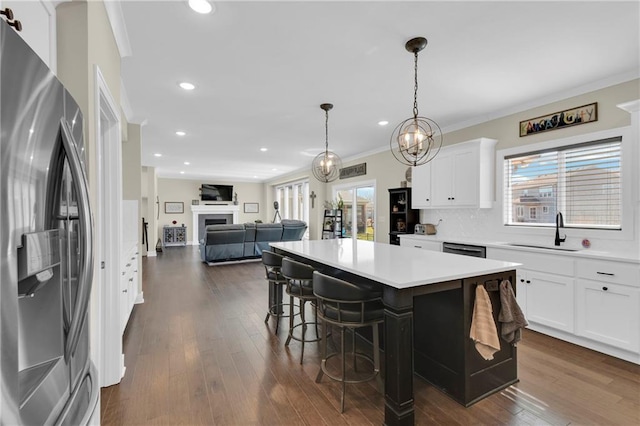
(415, 86)
(326, 133)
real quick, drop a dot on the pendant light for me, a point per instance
(417, 140)
(326, 166)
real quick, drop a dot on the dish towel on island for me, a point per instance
(511, 316)
(483, 328)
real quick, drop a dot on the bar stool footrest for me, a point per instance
(300, 339)
(325, 370)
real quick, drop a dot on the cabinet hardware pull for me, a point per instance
(528, 282)
(131, 280)
(124, 291)
(521, 280)
(605, 273)
(418, 246)
(128, 264)
(605, 288)
(427, 199)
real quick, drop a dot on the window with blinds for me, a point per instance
(581, 181)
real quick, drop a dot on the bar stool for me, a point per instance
(299, 285)
(272, 265)
(347, 306)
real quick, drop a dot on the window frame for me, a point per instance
(292, 190)
(628, 176)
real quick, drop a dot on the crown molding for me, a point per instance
(118, 27)
(545, 100)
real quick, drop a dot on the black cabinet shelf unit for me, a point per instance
(402, 218)
(332, 224)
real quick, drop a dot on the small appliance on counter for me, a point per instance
(426, 229)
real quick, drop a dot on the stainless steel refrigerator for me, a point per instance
(46, 261)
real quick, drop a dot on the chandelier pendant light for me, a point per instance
(416, 140)
(326, 166)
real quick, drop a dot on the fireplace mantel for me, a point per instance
(197, 210)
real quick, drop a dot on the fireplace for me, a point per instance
(208, 222)
(204, 215)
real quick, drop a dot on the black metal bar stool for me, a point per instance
(299, 285)
(272, 265)
(348, 306)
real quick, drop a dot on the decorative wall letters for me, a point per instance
(558, 120)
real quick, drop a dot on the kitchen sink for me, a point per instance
(542, 247)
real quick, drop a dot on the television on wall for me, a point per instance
(209, 192)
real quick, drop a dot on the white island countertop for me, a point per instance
(396, 266)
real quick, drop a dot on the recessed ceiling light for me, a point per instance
(263, 149)
(186, 163)
(181, 172)
(383, 123)
(274, 170)
(180, 133)
(157, 154)
(187, 86)
(255, 177)
(201, 6)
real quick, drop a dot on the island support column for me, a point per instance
(398, 356)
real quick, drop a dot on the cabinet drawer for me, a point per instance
(611, 272)
(420, 243)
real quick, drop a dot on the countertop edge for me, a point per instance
(582, 253)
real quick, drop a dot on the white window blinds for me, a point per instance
(581, 181)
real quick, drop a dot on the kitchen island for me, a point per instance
(428, 298)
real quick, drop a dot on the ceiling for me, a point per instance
(262, 69)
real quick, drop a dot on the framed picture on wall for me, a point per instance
(173, 207)
(251, 207)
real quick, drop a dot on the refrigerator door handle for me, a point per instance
(85, 240)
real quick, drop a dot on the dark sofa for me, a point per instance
(247, 241)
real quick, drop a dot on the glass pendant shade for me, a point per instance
(326, 166)
(416, 141)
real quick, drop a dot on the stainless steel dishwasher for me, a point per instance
(464, 249)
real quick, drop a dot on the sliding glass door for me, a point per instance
(359, 209)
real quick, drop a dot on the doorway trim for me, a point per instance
(108, 231)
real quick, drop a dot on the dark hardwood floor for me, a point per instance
(198, 352)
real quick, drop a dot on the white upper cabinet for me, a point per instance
(461, 175)
(421, 187)
(38, 20)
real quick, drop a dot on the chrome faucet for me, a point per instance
(559, 224)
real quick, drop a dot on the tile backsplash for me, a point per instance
(486, 224)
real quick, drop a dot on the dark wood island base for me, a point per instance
(444, 354)
(426, 329)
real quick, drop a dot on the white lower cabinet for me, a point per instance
(548, 299)
(608, 303)
(590, 302)
(608, 313)
(128, 285)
